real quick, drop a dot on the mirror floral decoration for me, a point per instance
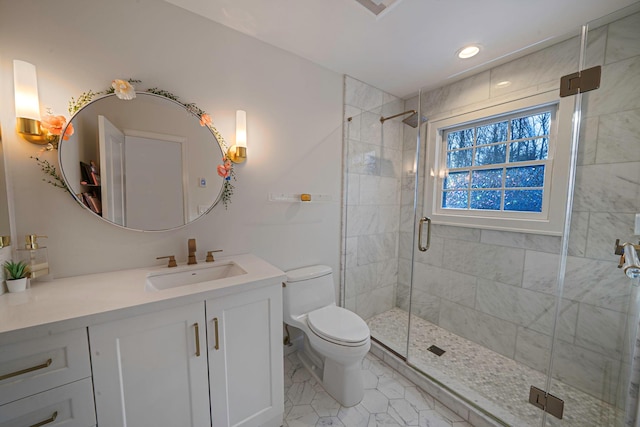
(54, 125)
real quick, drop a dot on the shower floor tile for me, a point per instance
(496, 383)
(390, 400)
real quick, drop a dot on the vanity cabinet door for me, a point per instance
(244, 333)
(147, 371)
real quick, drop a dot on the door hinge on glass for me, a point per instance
(580, 82)
(547, 402)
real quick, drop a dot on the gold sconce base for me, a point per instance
(30, 130)
(237, 154)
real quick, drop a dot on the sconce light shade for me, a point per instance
(241, 128)
(238, 152)
(25, 84)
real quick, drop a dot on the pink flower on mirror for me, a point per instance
(68, 132)
(123, 89)
(54, 124)
(205, 120)
(222, 171)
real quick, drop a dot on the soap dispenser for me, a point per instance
(36, 257)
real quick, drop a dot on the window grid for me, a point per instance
(508, 142)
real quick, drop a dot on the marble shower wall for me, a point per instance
(371, 215)
(498, 288)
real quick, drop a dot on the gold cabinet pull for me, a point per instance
(24, 371)
(197, 329)
(215, 330)
(47, 421)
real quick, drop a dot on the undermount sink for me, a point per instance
(190, 275)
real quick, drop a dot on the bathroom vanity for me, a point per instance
(191, 346)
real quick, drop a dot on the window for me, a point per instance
(498, 164)
(501, 167)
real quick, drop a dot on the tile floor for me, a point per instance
(496, 383)
(390, 400)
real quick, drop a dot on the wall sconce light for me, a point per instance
(238, 152)
(25, 84)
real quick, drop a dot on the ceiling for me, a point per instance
(411, 44)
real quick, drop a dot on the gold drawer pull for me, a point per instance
(197, 328)
(47, 421)
(24, 371)
(215, 328)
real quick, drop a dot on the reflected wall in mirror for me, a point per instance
(5, 228)
(144, 164)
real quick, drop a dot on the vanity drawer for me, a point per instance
(29, 367)
(70, 406)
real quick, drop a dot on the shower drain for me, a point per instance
(436, 350)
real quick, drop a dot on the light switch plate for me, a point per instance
(202, 182)
(637, 226)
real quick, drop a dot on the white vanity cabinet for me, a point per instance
(174, 368)
(245, 358)
(46, 380)
(109, 350)
(151, 370)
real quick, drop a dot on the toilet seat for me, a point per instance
(339, 326)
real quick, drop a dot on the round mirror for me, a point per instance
(144, 164)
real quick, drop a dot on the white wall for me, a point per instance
(294, 113)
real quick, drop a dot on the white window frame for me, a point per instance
(556, 181)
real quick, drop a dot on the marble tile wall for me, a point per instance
(498, 288)
(371, 215)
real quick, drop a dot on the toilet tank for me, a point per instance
(307, 289)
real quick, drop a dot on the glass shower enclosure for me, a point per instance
(530, 328)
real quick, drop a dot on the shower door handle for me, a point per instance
(422, 221)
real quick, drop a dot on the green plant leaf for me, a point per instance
(16, 270)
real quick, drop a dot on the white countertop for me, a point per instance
(96, 298)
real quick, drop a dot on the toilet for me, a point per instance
(335, 339)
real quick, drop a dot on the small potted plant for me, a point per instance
(16, 275)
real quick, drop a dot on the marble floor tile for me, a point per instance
(496, 383)
(390, 400)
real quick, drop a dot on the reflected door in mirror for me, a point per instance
(155, 197)
(111, 147)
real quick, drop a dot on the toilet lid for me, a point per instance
(338, 324)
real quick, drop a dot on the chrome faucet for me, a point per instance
(192, 252)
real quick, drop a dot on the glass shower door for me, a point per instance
(594, 348)
(374, 213)
(472, 306)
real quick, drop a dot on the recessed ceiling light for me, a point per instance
(503, 83)
(468, 51)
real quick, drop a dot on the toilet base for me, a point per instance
(343, 383)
